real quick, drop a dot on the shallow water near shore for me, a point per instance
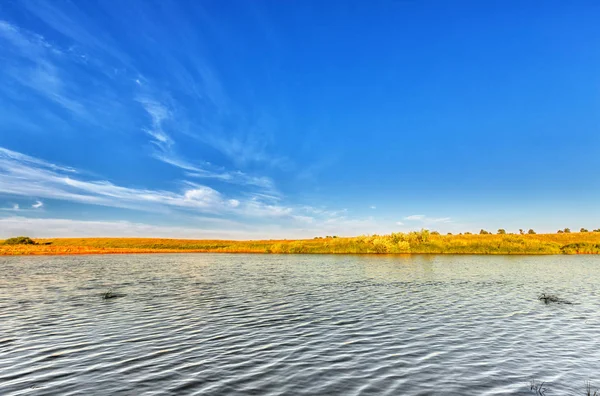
(216, 324)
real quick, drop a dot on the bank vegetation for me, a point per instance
(417, 242)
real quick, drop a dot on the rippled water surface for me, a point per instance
(298, 325)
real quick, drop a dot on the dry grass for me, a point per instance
(396, 243)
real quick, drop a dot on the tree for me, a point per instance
(597, 230)
(560, 232)
(531, 231)
(449, 233)
(501, 231)
(435, 233)
(567, 230)
(521, 231)
(583, 230)
(483, 232)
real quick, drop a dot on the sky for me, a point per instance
(294, 119)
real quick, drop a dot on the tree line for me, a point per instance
(502, 231)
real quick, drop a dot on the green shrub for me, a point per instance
(21, 240)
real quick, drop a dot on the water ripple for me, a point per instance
(297, 325)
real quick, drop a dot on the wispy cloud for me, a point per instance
(33, 64)
(414, 217)
(17, 208)
(72, 23)
(57, 228)
(427, 220)
(158, 114)
(26, 176)
(12, 208)
(185, 96)
(9, 156)
(31, 177)
(165, 151)
(236, 177)
(245, 147)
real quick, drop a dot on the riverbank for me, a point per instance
(421, 242)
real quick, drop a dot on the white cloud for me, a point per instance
(13, 156)
(217, 229)
(27, 176)
(399, 223)
(244, 147)
(158, 114)
(13, 208)
(33, 64)
(373, 207)
(234, 177)
(440, 220)
(428, 220)
(17, 208)
(31, 177)
(165, 151)
(63, 228)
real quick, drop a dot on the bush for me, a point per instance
(567, 230)
(583, 230)
(483, 232)
(560, 232)
(22, 240)
(531, 232)
(501, 231)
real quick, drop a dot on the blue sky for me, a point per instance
(275, 119)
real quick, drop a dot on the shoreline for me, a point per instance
(114, 253)
(421, 242)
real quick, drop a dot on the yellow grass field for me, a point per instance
(421, 242)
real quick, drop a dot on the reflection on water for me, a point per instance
(273, 325)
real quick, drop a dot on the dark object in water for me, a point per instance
(110, 295)
(588, 388)
(538, 388)
(551, 298)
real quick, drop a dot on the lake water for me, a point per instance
(216, 324)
